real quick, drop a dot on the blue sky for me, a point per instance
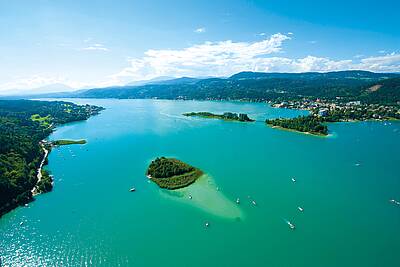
(103, 43)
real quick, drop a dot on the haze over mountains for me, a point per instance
(252, 86)
(257, 86)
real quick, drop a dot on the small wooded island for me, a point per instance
(306, 124)
(170, 173)
(226, 116)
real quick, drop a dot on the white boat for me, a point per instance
(291, 225)
(207, 224)
(300, 209)
(254, 202)
(21, 223)
(132, 189)
(395, 201)
(237, 201)
(190, 197)
(293, 180)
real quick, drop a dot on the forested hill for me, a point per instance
(385, 91)
(23, 124)
(255, 86)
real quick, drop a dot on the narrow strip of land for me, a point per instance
(35, 190)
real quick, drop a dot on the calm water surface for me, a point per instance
(343, 182)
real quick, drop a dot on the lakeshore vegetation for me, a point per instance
(23, 124)
(171, 173)
(225, 116)
(69, 142)
(343, 95)
(307, 124)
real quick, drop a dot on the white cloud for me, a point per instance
(227, 57)
(222, 58)
(387, 63)
(96, 47)
(200, 30)
(210, 58)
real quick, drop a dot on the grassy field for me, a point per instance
(44, 121)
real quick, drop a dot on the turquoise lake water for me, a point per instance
(343, 182)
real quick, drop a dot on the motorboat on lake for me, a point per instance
(291, 225)
(300, 209)
(132, 189)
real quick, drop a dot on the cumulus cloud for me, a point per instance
(387, 63)
(210, 58)
(222, 58)
(225, 58)
(200, 30)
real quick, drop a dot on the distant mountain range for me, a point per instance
(259, 86)
(51, 88)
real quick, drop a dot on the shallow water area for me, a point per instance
(344, 183)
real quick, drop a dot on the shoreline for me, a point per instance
(295, 131)
(39, 171)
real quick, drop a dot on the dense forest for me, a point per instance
(23, 124)
(167, 167)
(172, 173)
(253, 86)
(308, 124)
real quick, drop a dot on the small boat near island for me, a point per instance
(190, 197)
(254, 202)
(293, 180)
(394, 201)
(237, 201)
(207, 224)
(300, 209)
(132, 189)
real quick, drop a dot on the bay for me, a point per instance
(344, 183)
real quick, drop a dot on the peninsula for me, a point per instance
(305, 124)
(226, 116)
(69, 142)
(24, 126)
(170, 173)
